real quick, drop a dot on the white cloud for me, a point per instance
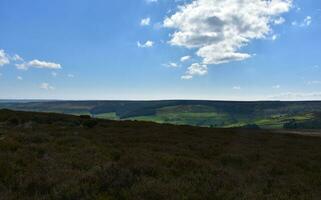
(44, 64)
(145, 22)
(297, 96)
(22, 66)
(4, 58)
(236, 88)
(71, 75)
(274, 37)
(46, 86)
(280, 20)
(313, 82)
(218, 29)
(16, 57)
(196, 69)
(19, 78)
(151, 1)
(171, 65)
(186, 77)
(38, 64)
(297, 8)
(306, 22)
(19, 62)
(147, 44)
(185, 58)
(276, 86)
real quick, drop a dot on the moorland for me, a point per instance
(56, 156)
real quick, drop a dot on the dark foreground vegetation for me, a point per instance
(53, 156)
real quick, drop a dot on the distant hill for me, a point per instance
(54, 157)
(265, 114)
(22, 100)
(313, 123)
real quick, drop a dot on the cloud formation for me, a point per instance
(297, 96)
(20, 63)
(306, 22)
(280, 20)
(46, 86)
(147, 44)
(185, 58)
(38, 64)
(195, 69)
(151, 1)
(4, 58)
(218, 29)
(313, 82)
(145, 22)
(186, 77)
(16, 57)
(171, 65)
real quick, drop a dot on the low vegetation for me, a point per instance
(313, 123)
(54, 156)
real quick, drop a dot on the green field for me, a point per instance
(110, 116)
(220, 120)
(200, 116)
(189, 115)
(276, 121)
(222, 114)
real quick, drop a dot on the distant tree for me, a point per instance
(292, 124)
(90, 123)
(85, 116)
(251, 126)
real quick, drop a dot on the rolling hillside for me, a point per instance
(54, 156)
(184, 112)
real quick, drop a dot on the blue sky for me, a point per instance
(165, 49)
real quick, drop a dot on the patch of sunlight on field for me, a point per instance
(110, 116)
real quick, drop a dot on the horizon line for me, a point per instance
(133, 100)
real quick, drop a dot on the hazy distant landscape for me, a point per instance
(221, 114)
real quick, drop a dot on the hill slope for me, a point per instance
(183, 112)
(53, 156)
